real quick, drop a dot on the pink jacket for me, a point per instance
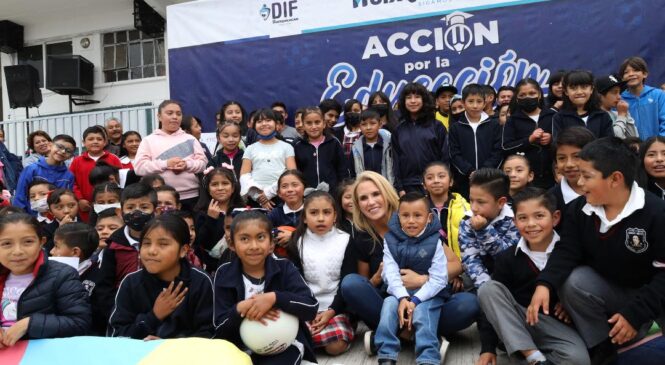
(160, 146)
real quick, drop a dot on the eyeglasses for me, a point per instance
(64, 149)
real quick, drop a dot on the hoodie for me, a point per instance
(598, 122)
(156, 149)
(648, 110)
(57, 175)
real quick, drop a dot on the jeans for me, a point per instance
(365, 301)
(425, 320)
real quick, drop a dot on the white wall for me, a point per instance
(76, 23)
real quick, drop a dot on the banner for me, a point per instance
(303, 51)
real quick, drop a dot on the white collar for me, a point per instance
(522, 245)
(131, 239)
(635, 202)
(288, 210)
(506, 211)
(84, 266)
(568, 193)
(483, 117)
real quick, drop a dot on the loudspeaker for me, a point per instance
(147, 20)
(23, 86)
(11, 37)
(70, 75)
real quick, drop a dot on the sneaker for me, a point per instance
(370, 346)
(443, 349)
(387, 362)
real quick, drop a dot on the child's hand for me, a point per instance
(412, 280)
(405, 312)
(561, 313)
(151, 338)
(262, 303)
(478, 222)
(457, 284)
(271, 315)
(168, 300)
(84, 205)
(622, 331)
(173, 162)
(265, 202)
(376, 279)
(214, 209)
(401, 193)
(535, 135)
(243, 306)
(283, 237)
(558, 104)
(67, 219)
(321, 321)
(15, 332)
(541, 298)
(622, 108)
(486, 358)
(545, 139)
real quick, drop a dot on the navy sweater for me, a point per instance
(599, 122)
(325, 163)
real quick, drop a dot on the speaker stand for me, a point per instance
(78, 101)
(27, 118)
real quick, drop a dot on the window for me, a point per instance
(34, 56)
(132, 55)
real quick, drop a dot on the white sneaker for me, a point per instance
(370, 346)
(443, 349)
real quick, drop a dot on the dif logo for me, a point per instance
(364, 3)
(279, 12)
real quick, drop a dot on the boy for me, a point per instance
(413, 242)
(504, 299)
(372, 150)
(490, 98)
(443, 95)
(94, 141)
(475, 140)
(611, 283)
(80, 240)
(331, 109)
(609, 89)
(289, 133)
(38, 191)
(108, 221)
(646, 103)
(490, 229)
(51, 169)
(505, 96)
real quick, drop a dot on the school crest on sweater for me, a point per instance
(636, 240)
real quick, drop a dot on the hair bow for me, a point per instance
(323, 186)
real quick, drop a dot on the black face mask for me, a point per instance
(382, 109)
(455, 117)
(528, 104)
(137, 220)
(352, 119)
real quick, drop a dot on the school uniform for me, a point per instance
(293, 296)
(377, 157)
(133, 315)
(473, 146)
(504, 301)
(655, 189)
(602, 267)
(90, 275)
(234, 160)
(284, 216)
(209, 231)
(346, 137)
(564, 194)
(48, 230)
(347, 226)
(515, 139)
(325, 163)
(597, 121)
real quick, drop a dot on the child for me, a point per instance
(372, 151)
(418, 139)
(504, 96)
(581, 106)
(130, 145)
(38, 191)
(191, 256)
(475, 140)
(652, 158)
(291, 190)
(220, 194)
(153, 180)
(456, 108)
(94, 141)
(264, 161)
(319, 155)
(413, 242)
(168, 298)
(567, 148)
(646, 103)
(555, 87)
(51, 169)
(609, 88)
(443, 96)
(381, 103)
(63, 206)
(324, 256)
(108, 221)
(228, 136)
(330, 111)
(505, 298)
(103, 173)
(104, 196)
(529, 131)
(40, 298)
(349, 133)
(607, 267)
(490, 229)
(168, 199)
(519, 172)
(289, 133)
(449, 207)
(297, 121)
(490, 99)
(344, 200)
(504, 113)
(256, 286)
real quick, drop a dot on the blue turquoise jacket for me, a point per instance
(648, 110)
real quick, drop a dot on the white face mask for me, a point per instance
(102, 207)
(40, 206)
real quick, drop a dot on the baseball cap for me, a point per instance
(443, 88)
(606, 82)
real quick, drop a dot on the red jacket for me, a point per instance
(82, 166)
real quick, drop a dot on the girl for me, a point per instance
(297, 120)
(344, 200)
(168, 298)
(291, 190)
(104, 196)
(319, 155)
(518, 170)
(220, 194)
(130, 145)
(504, 114)
(40, 298)
(323, 255)
(456, 108)
(529, 131)
(256, 286)
(380, 102)
(581, 106)
(232, 111)
(192, 125)
(264, 162)
(153, 180)
(168, 199)
(191, 256)
(38, 191)
(652, 155)
(350, 131)
(418, 140)
(64, 207)
(555, 96)
(174, 154)
(228, 137)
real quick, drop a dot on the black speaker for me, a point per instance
(23, 86)
(11, 37)
(70, 75)
(147, 20)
